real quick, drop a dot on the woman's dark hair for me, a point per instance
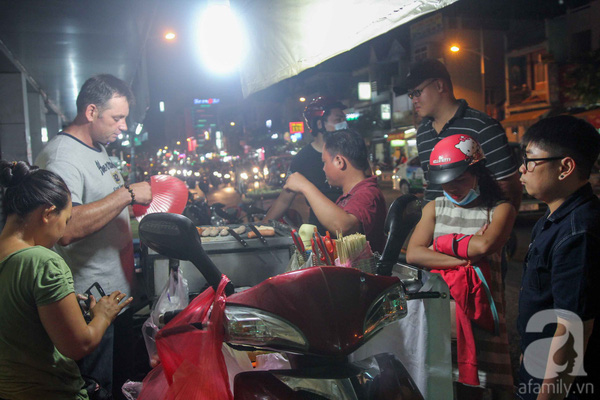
(488, 186)
(29, 187)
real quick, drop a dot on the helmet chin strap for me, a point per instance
(318, 129)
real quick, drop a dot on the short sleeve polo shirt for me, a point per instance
(487, 131)
(366, 202)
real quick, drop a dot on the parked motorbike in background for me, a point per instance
(199, 180)
(316, 316)
(218, 214)
(277, 168)
(198, 211)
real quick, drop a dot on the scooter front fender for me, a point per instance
(381, 377)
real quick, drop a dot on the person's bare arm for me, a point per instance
(329, 214)
(280, 205)
(512, 190)
(419, 252)
(495, 235)
(89, 218)
(64, 323)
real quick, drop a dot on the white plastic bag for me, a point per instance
(298, 261)
(236, 361)
(268, 361)
(131, 389)
(174, 296)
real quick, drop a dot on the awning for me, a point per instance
(295, 35)
(525, 119)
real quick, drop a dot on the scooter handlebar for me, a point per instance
(425, 295)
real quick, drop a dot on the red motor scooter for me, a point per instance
(316, 316)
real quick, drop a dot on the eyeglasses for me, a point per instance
(417, 92)
(531, 163)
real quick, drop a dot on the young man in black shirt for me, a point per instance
(558, 303)
(322, 115)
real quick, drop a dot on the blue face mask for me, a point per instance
(469, 198)
(341, 125)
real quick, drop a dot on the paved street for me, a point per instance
(523, 226)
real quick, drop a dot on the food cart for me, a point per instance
(246, 262)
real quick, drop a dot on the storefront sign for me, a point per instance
(364, 90)
(296, 127)
(206, 101)
(386, 112)
(395, 136)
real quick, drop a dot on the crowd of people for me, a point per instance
(67, 229)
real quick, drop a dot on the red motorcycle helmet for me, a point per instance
(452, 156)
(317, 108)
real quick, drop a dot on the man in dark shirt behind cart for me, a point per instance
(322, 115)
(361, 208)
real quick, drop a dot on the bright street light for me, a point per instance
(455, 48)
(221, 38)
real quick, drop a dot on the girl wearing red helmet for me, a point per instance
(461, 236)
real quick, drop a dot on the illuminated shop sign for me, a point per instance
(206, 101)
(296, 127)
(352, 116)
(386, 112)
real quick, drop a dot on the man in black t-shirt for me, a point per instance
(322, 115)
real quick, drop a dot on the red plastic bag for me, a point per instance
(192, 362)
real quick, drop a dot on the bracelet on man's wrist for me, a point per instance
(130, 192)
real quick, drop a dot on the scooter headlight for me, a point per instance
(258, 328)
(389, 307)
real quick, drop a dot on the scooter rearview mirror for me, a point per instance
(169, 235)
(403, 215)
(176, 236)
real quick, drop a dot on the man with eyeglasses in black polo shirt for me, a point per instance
(430, 88)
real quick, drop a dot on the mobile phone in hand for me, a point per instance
(94, 290)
